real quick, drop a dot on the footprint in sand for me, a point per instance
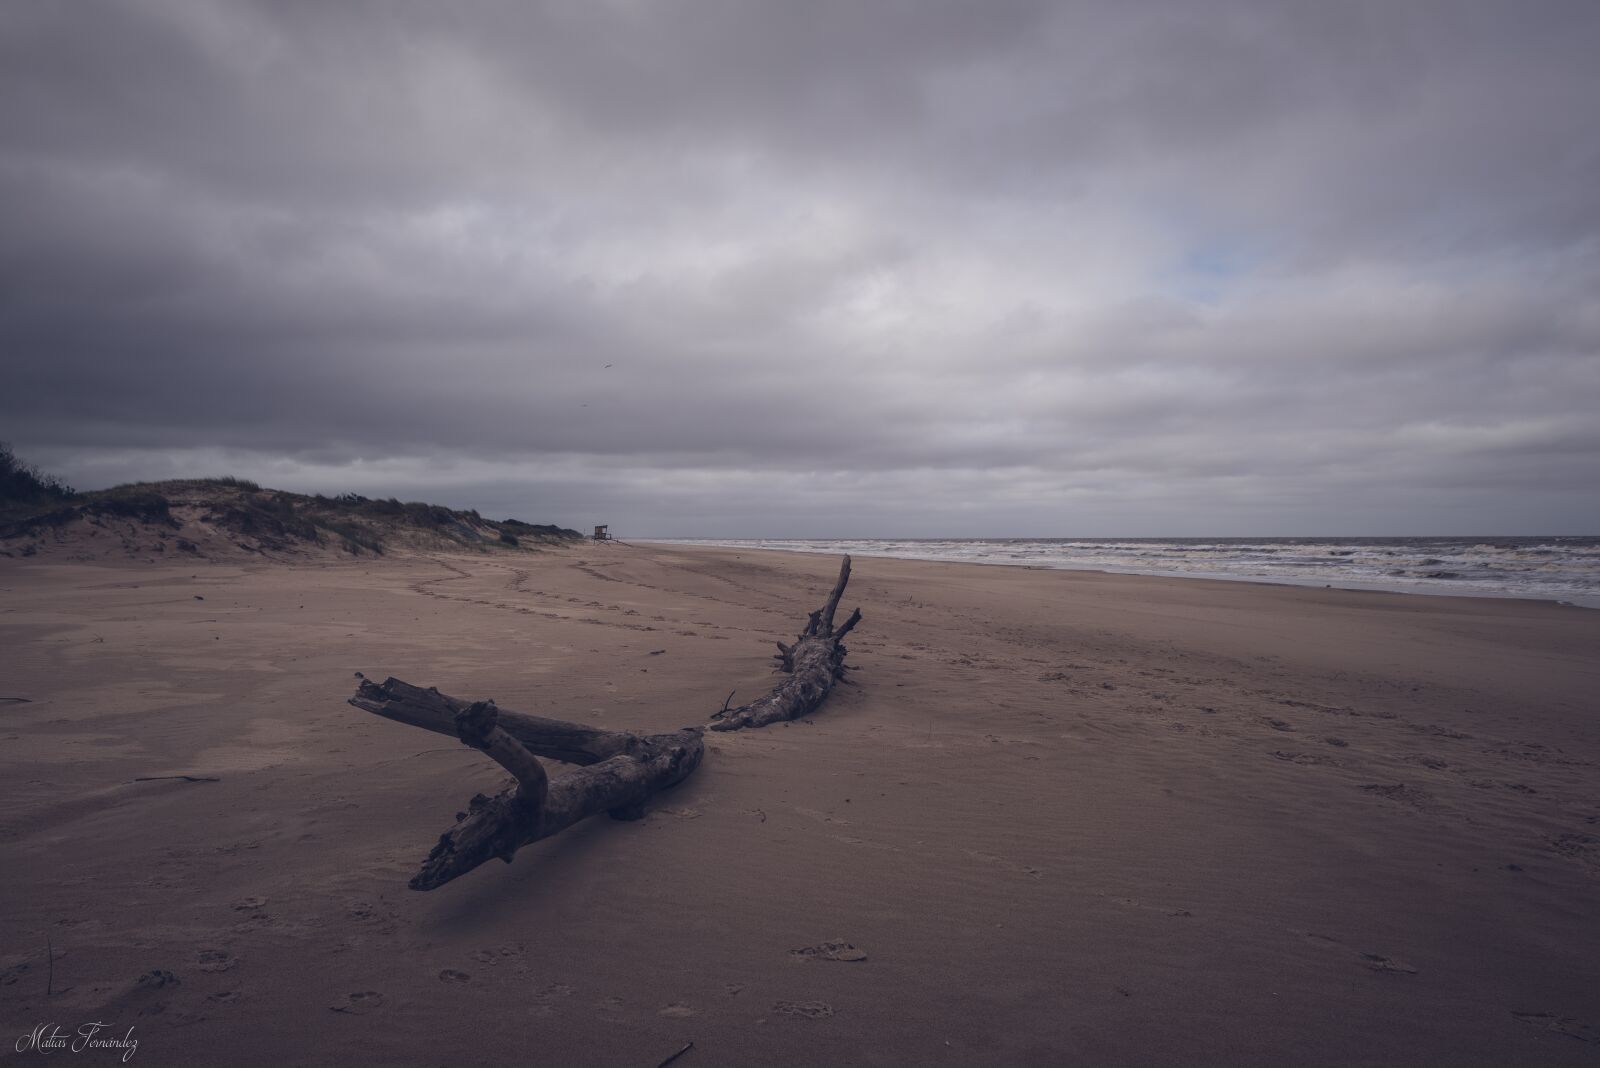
(836, 949)
(494, 955)
(1405, 794)
(451, 975)
(151, 994)
(1170, 910)
(1574, 844)
(156, 979)
(677, 1010)
(1305, 759)
(1379, 963)
(1375, 961)
(367, 912)
(809, 1010)
(543, 1001)
(359, 1003)
(11, 973)
(680, 813)
(1561, 1025)
(216, 960)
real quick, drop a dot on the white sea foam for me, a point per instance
(1555, 568)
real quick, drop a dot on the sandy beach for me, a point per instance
(1069, 818)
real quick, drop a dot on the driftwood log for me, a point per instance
(617, 773)
(813, 664)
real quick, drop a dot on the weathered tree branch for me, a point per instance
(554, 739)
(619, 773)
(813, 664)
(833, 597)
(477, 726)
(498, 826)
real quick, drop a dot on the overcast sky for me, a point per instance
(826, 268)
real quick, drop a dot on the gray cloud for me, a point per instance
(1009, 268)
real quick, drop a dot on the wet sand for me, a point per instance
(1067, 817)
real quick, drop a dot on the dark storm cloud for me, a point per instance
(905, 268)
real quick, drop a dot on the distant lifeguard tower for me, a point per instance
(602, 532)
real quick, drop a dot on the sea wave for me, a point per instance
(1565, 569)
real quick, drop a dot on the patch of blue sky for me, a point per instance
(1207, 273)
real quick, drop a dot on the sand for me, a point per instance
(1060, 818)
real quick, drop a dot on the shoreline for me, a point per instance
(1068, 816)
(1582, 601)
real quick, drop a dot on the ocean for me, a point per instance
(1564, 569)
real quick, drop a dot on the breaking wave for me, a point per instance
(1549, 568)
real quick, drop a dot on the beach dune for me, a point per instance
(1054, 818)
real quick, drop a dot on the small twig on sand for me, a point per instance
(686, 1048)
(17, 700)
(728, 701)
(185, 778)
